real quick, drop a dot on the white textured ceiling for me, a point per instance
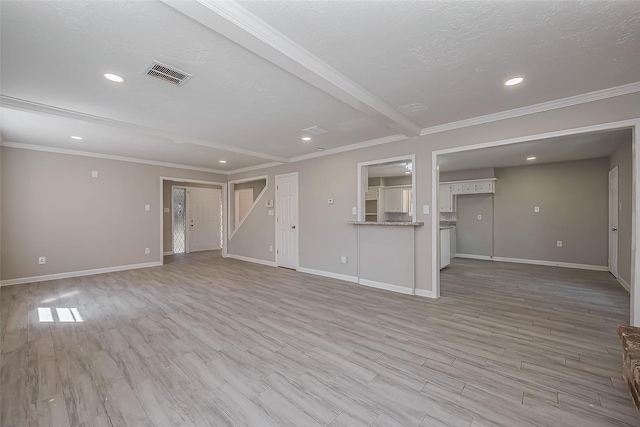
(434, 62)
(561, 149)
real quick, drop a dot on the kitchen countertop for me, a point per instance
(446, 227)
(392, 223)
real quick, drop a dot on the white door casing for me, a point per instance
(613, 221)
(287, 220)
(204, 220)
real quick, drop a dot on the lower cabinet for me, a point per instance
(445, 248)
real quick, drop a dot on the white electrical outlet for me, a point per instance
(94, 174)
(42, 260)
(536, 209)
(343, 259)
(270, 248)
(147, 207)
(330, 201)
(479, 217)
(559, 243)
(270, 212)
(147, 251)
(354, 211)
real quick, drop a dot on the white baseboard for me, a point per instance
(553, 263)
(167, 253)
(425, 293)
(624, 284)
(472, 256)
(70, 274)
(338, 276)
(253, 260)
(386, 286)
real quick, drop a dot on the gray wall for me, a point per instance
(622, 158)
(324, 234)
(167, 232)
(467, 174)
(51, 206)
(472, 236)
(573, 200)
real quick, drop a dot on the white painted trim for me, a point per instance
(168, 253)
(322, 273)
(236, 23)
(256, 167)
(30, 106)
(623, 124)
(634, 124)
(386, 286)
(552, 263)
(253, 260)
(161, 208)
(425, 293)
(536, 108)
(361, 182)
(255, 202)
(624, 284)
(46, 149)
(474, 256)
(70, 274)
(351, 147)
(284, 175)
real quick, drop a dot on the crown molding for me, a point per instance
(22, 146)
(536, 108)
(351, 147)
(30, 106)
(236, 23)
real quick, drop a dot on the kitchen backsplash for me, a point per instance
(448, 216)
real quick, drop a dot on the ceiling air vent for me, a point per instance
(315, 130)
(168, 74)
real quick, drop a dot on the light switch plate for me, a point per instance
(354, 211)
(479, 217)
(94, 174)
(559, 243)
(536, 209)
(147, 250)
(270, 212)
(425, 209)
(147, 207)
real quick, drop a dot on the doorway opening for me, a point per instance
(192, 216)
(545, 200)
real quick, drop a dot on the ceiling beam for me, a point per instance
(34, 107)
(234, 22)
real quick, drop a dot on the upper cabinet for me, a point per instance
(372, 194)
(448, 190)
(397, 200)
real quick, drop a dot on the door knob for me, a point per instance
(614, 229)
(293, 226)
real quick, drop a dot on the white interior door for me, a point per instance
(613, 221)
(204, 206)
(287, 221)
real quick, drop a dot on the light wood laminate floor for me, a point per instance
(206, 341)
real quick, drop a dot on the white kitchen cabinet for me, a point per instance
(447, 202)
(445, 248)
(452, 245)
(397, 199)
(372, 194)
(475, 186)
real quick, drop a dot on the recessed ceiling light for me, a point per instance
(408, 172)
(320, 149)
(113, 77)
(514, 81)
(76, 137)
(306, 138)
(531, 158)
(223, 161)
